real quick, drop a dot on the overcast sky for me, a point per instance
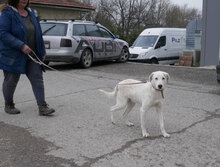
(190, 3)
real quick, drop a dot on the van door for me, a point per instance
(161, 50)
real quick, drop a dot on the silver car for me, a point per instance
(81, 42)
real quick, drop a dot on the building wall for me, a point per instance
(211, 33)
(58, 13)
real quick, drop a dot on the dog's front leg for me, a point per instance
(161, 120)
(143, 122)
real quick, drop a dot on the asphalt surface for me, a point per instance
(80, 133)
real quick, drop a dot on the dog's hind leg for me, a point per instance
(119, 105)
(129, 107)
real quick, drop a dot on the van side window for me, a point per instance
(161, 42)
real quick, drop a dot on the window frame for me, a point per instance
(110, 34)
(52, 24)
(159, 42)
(81, 25)
(87, 32)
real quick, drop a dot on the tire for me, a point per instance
(154, 61)
(124, 55)
(86, 58)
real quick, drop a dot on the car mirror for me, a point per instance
(116, 36)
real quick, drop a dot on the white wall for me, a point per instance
(210, 33)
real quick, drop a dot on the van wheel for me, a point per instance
(124, 55)
(154, 61)
(86, 58)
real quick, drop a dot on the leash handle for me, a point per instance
(38, 61)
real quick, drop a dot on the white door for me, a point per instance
(161, 50)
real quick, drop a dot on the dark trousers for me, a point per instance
(34, 74)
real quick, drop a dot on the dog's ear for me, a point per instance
(151, 76)
(167, 76)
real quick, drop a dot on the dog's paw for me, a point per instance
(129, 124)
(146, 135)
(166, 135)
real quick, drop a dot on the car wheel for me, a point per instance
(86, 58)
(154, 61)
(124, 55)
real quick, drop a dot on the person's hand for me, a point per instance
(26, 50)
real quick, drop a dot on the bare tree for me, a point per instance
(180, 16)
(129, 17)
(160, 12)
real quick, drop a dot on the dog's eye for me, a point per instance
(156, 78)
(163, 78)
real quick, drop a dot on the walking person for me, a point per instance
(20, 34)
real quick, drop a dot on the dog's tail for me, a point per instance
(110, 94)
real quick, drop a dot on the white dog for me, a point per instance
(147, 94)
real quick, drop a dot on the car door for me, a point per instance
(79, 34)
(110, 43)
(96, 40)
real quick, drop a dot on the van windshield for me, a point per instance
(145, 41)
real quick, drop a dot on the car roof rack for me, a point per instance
(68, 20)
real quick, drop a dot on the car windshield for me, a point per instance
(54, 29)
(145, 41)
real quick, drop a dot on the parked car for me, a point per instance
(83, 42)
(159, 45)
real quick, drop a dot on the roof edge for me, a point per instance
(59, 6)
(91, 8)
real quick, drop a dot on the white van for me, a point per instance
(158, 45)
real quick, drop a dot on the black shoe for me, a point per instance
(44, 109)
(10, 109)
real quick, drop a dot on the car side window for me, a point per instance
(93, 30)
(161, 42)
(105, 33)
(79, 30)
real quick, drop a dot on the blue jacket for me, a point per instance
(13, 35)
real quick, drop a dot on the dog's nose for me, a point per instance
(160, 86)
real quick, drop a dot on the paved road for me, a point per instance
(80, 133)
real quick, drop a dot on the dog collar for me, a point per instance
(161, 91)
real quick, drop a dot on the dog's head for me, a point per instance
(159, 79)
